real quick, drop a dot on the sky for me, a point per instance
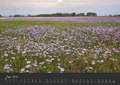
(25, 7)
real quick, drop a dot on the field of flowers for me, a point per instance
(59, 47)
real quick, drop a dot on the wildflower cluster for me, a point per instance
(60, 49)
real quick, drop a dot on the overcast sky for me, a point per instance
(102, 7)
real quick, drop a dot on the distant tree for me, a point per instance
(17, 15)
(110, 15)
(0, 15)
(28, 15)
(91, 14)
(73, 14)
(58, 14)
(81, 14)
(65, 14)
(117, 15)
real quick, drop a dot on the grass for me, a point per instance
(20, 23)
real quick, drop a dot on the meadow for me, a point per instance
(59, 47)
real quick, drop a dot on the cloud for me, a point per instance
(49, 6)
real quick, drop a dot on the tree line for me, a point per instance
(59, 15)
(67, 14)
(56, 15)
(64, 14)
